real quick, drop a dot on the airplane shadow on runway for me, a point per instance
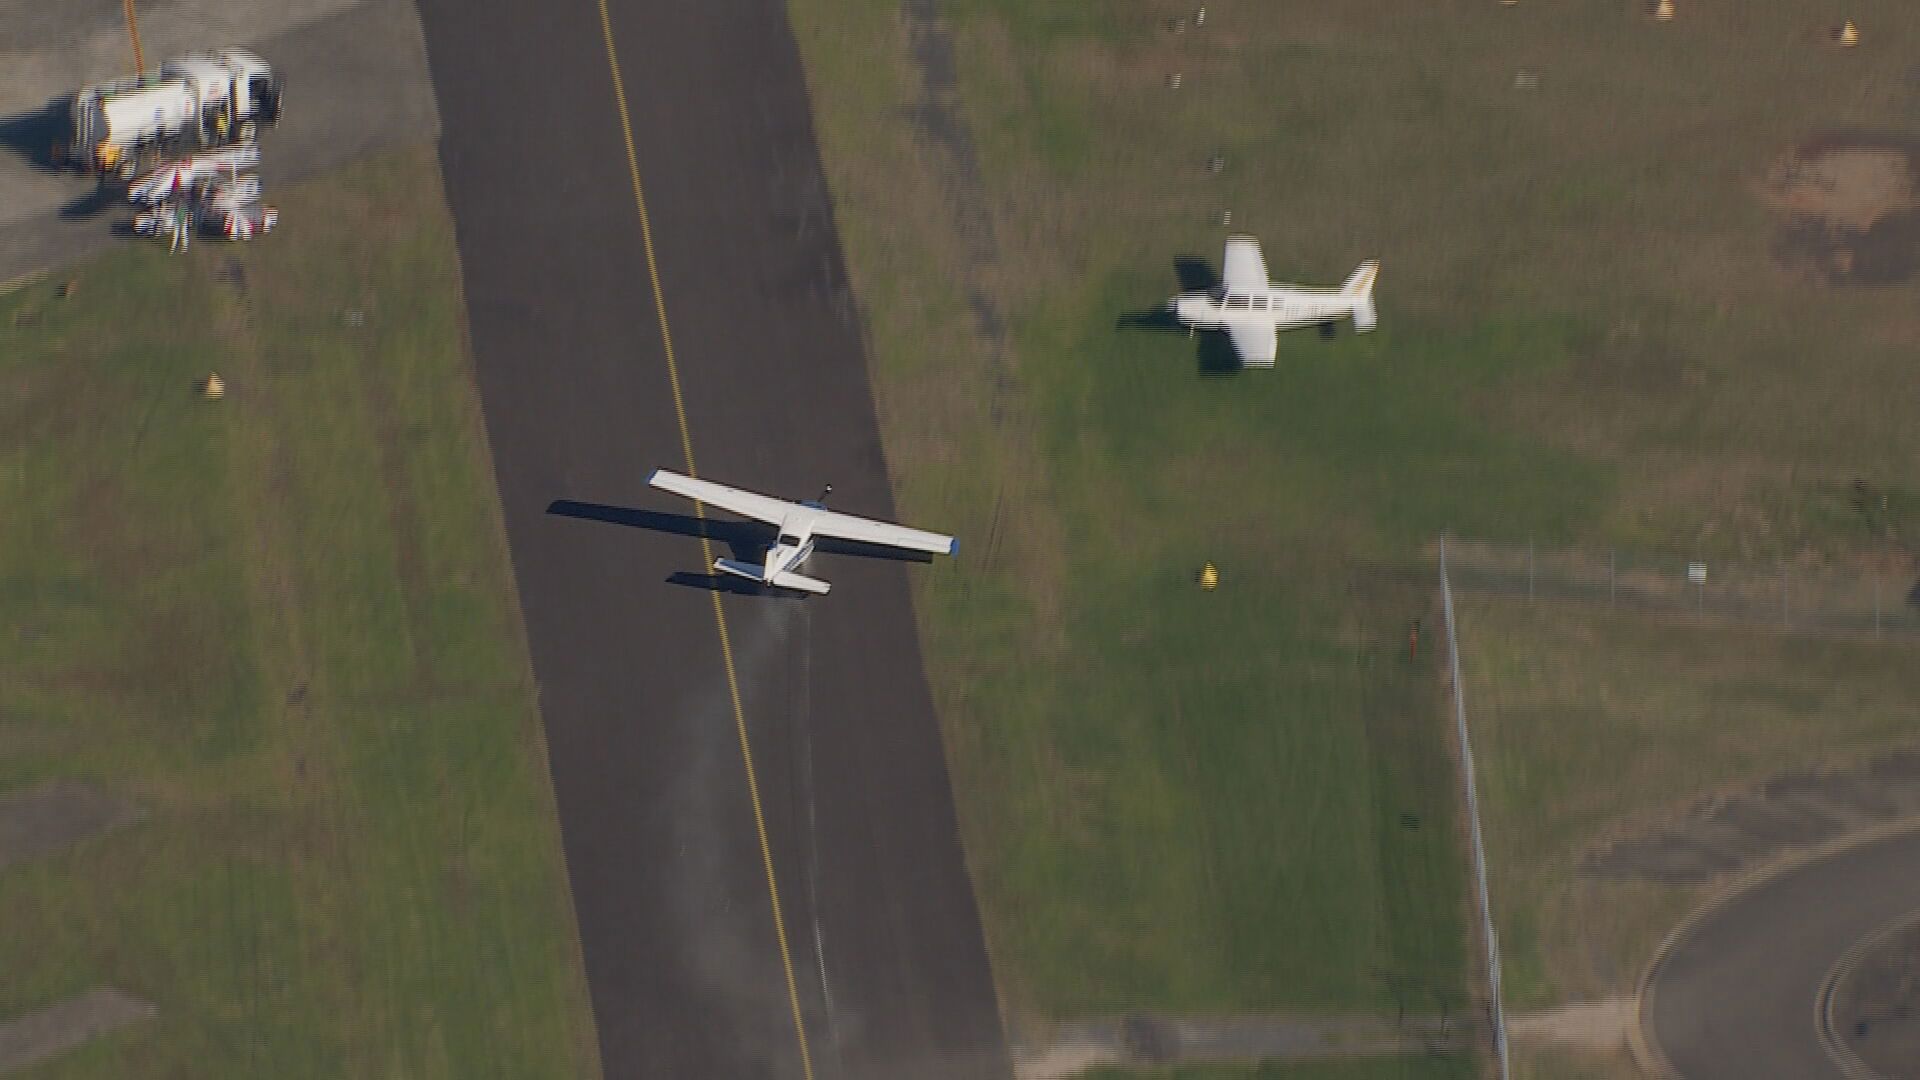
(1213, 350)
(746, 541)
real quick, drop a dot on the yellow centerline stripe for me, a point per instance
(706, 544)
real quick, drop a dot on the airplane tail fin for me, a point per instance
(1359, 289)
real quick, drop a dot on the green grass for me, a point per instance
(284, 623)
(1192, 801)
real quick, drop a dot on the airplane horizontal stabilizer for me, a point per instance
(1364, 317)
(786, 580)
(1360, 287)
(791, 580)
(739, 569)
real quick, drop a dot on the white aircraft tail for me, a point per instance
(1359, 289)
(785, 580)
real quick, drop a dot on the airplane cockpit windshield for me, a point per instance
(789, 540)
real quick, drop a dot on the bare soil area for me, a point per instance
(1600, 1025)
(55, 815)
(1730, 832)
(1852, 204)
(41, 1034)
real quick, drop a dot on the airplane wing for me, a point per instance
(1256, 345)
(745, 503)
(1243, 269)
(867, 531)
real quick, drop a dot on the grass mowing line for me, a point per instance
(706, 545)
(16, 284)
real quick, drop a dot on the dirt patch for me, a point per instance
(1144, 1040)
(43, 1033)
(1852, 208)
(1727, 833)
(1601, 1025)
(55, 815)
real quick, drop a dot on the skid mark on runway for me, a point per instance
(727, 966)
(795, 634)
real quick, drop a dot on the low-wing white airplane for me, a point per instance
(800, 525)
(1253, 310)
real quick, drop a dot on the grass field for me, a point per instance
(1190, 800)
(284, 623)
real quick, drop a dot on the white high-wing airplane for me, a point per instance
(1253, 310)
(800, 525)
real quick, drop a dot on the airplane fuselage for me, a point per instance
(787, 553)
(1281, 308)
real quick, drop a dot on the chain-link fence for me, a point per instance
(1802, 598)
(1496, 998)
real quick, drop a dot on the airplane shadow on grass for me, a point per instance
(746, 541)
(1213, 350)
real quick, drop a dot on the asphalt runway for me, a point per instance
(889, 970)
(1737, 996)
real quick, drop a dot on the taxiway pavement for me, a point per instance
(1736, 997)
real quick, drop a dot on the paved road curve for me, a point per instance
(1735, 998)
(882, 936)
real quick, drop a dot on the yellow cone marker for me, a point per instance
(1663, 10)
(214, 388)
(1209, 577)
(1849, 35)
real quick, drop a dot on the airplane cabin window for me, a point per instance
(1259, 303)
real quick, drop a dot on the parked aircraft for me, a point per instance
(1253, 310)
